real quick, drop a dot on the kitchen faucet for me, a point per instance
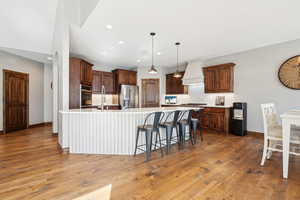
(103, 100)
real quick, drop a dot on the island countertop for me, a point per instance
(130, 110)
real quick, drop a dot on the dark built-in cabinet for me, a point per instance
(86, 73)
(124, 77)
(219, 78)
(174, 85)
(105, 79)
(216, 119)
(80, 73)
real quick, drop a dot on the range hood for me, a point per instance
(193, 74)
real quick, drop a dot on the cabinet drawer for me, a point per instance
(214, 110)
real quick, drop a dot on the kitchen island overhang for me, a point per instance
(113, 132)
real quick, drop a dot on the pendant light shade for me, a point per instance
(177, 74)
(152, 69)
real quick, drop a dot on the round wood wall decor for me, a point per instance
(289, 73)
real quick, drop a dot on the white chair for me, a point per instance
(273, 133)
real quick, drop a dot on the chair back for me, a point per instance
(269, 116)
(186, 115)
(174, 116)
(154, 119)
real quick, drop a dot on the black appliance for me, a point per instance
(238, 122)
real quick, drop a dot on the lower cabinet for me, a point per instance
(216, 119)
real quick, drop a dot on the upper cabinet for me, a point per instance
(124, 77)
(86, 73)
(108, 82)
(219, 78)
(174, 85)
(97, 81)
(105, 79)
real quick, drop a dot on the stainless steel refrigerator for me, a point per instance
(129, 96)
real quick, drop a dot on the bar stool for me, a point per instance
(195, 123)
(169, 125)
(185, 121)
(149, 128)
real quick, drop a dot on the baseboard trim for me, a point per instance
(40, 125)
(63, 150)
(259, 134)
(1, 132)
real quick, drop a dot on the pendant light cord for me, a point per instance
(177, 57)
(152, 49)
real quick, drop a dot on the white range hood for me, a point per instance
(193, 74)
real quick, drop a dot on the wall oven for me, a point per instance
(85, 95)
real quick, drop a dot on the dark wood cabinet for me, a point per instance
(124, 77)
(216, 119)
(80, 72)
(108, 82)
(219, 78)
(74, 82)
(174, 85)
(132, 78)
(105, 79)
(97, 81)
(86, 73)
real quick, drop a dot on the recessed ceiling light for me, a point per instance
(138, 60)
(49, 58)
(121, 42)
(108, 27)
(159, 53)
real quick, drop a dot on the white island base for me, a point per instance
(92, 131)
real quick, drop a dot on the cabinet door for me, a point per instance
(88, 74)
(132, 78)
(210, 78)
(82, 72)
(108, 82)
(169, 84)
(205, 120)
(97, 81)
(217, 121)
(123, 77)
(225, 79)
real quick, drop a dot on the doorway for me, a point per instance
(15, 101)
(150, 93)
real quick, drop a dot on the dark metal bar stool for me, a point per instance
(185, 121)
(169, 124)
(149, 128)
(195, 123)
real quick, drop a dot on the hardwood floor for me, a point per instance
(222, 167)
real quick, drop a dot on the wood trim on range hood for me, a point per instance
(193, 74)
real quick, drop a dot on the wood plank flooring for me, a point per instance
(222, 167)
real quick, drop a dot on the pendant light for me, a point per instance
(177, 73)
(152, 69)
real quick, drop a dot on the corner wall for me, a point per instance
(256, 80)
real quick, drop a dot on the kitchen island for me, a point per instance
(92, 131)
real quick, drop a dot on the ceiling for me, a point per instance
(27, 25)
(206, 29)
(39, 57)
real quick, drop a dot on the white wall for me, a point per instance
(48, 93)
(256, 80)
(36, 84)
(60, 49)
(142, 73)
